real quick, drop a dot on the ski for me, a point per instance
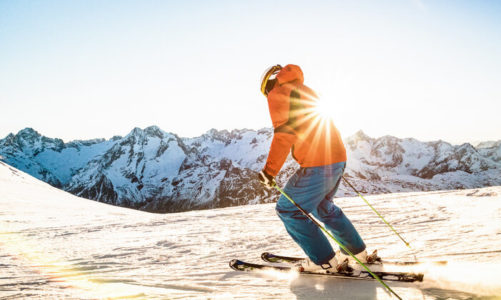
(239, 265)
(273, 258)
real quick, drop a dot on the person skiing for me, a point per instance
(316, 145)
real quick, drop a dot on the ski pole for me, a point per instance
(389, 225)
(335, 240)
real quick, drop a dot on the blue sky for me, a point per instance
(86, 69)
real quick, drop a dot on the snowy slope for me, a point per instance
(55, 245)
(154, 170)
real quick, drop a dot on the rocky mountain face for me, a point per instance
(154, 170)
(50, 160)
(389, 164)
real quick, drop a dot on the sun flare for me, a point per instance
(325, 108)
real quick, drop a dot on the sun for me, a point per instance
(325, 109)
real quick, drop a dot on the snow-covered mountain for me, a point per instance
(158, 171)
(390, 164)
(47, 159)
(154, 170)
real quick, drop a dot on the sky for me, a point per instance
(94, 69)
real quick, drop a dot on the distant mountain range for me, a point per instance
(154, 170)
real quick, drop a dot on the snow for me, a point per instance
(417, 157)
(242, 147)
(56, 245)
(115, 172)
(168, 164)
(66, 162)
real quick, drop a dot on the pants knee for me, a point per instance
(285, 209)
(280, 208)
(327, 209)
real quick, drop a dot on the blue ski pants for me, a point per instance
(313, 189)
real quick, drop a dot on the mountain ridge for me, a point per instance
(154, 170)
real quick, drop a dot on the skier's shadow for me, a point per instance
(311, 287)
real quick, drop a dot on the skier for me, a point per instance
(317, 146)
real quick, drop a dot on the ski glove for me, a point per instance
(267, 180)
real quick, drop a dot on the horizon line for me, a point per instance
(358, 132)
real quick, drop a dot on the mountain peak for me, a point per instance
(489, 144)
(212, 131)
(360, 135)
(152, 127)
(135, 132)
(154, 131)
(28, 133)
(150, 131)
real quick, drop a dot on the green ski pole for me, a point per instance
(335, 240)
(389, 225)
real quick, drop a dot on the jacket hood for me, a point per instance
(290, 73)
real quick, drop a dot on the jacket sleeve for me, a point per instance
(283, 139)
(284, 135)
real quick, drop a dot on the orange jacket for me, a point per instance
(314, 140)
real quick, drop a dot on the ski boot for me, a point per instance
(332, 266)
(362, 256)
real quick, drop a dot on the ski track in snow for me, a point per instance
(55, 245)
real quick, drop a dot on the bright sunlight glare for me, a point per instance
(325, 108)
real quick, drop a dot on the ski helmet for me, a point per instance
(268, 78)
